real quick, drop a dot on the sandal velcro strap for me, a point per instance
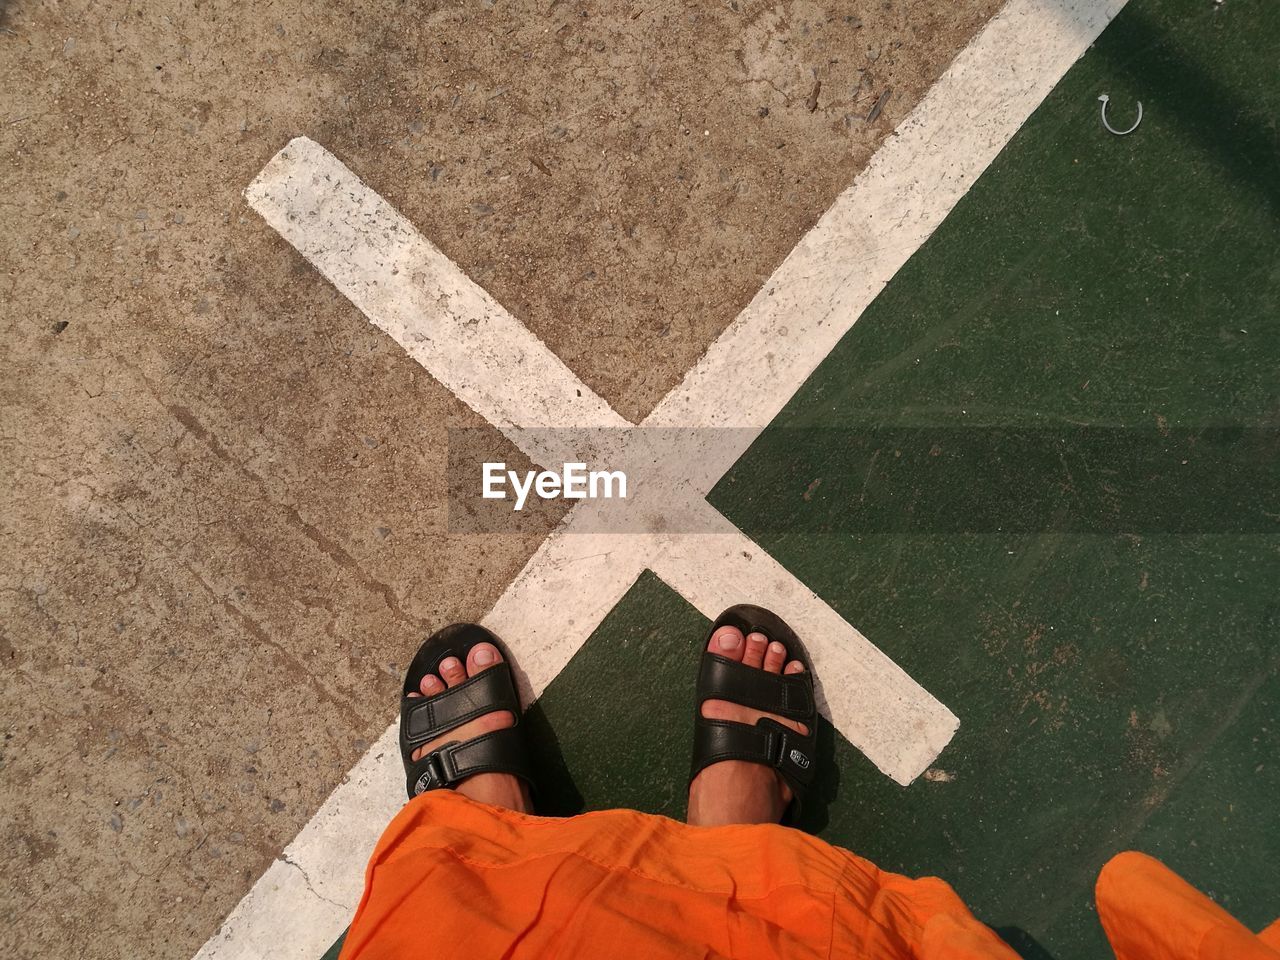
(787, 695)
(425, 718)
(768, 743)
(502, 751)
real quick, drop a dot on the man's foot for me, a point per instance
(735, 791)
(495, 789)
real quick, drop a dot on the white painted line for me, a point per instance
(421, 299)
(909, 187)
(409, 289)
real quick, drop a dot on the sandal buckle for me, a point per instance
(433, 777)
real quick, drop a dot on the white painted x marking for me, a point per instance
(469, 343)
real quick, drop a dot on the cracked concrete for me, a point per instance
(307, 880)
(225, 524)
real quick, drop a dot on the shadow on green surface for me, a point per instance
(814, 815)
(1061, 479)
(1027, 946)
(557, 795)
(1243, 142)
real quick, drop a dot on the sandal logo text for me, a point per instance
(574, 482)
(799, 759)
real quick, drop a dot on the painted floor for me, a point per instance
(1040, 472)
(1097, 309)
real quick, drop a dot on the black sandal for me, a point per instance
(768, 742)
(423, 719)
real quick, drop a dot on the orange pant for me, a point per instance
(1150, 913)
(620, 884)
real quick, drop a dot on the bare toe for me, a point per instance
(774, 657)
(481, 657)
(795, 666)
(757, 643)
(431, 685)
(727, 642)
(452, 671)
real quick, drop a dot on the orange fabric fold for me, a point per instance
(1150, 913)
(618, 883)
(621, 884)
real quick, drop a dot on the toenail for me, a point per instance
(450, 663)
(776, 647)
(730, 641)
(484, 656)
